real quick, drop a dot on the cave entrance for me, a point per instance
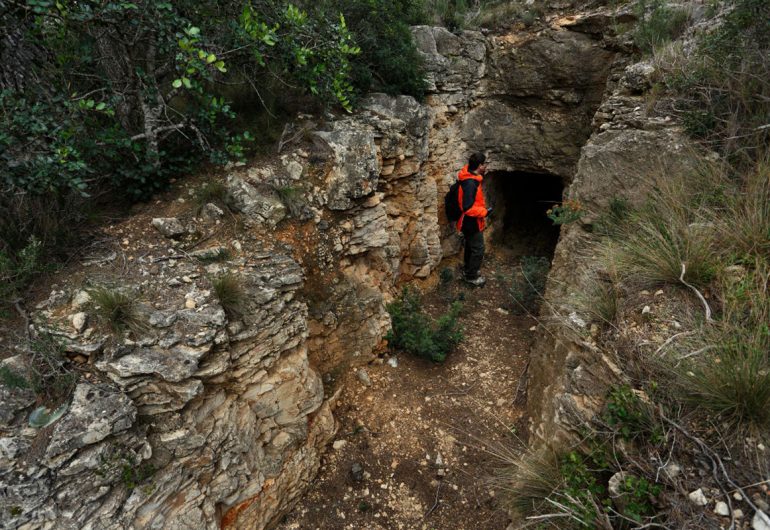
(520, 200)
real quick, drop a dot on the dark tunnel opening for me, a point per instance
(519, 222)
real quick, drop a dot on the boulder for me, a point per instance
(259, 202)
(169, 226)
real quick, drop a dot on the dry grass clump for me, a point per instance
(598, 298)
(229, 289)
(726, 368)
(117, 309)
(213, 191)
(746, 228)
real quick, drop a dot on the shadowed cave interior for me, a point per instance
(520, 200)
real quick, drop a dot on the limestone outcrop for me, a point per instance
(181, 422)
(627, 153)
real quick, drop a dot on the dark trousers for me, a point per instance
(474, 253)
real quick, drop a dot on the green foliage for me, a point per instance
(631, 417)
(726, 370)
(413, 331)
(724, 86)
(565, 213)
(17, 269)
(636, 494)
(133, 475)
(529, 284)
(231, 294)
(388, 61)
(117, 309)
(656, 241)
(658, 23)
(11, 379)
(446, 275)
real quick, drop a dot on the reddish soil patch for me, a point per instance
(423, 434)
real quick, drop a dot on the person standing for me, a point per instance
(473, 218)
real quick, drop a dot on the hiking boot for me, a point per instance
(478, 281)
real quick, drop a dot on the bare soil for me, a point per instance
(425, 435)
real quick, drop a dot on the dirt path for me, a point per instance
(411, 448)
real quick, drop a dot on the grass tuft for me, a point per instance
(210, 192)
(231, 294)
(117, 309)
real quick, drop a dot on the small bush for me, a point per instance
(49, 375)
(565, 213)
(723, 84)
(726, 369)
(631, 417)
(117, 309)
(10, 379)
(658, 24)
(413, 331)
(529, 284)
(231, 294)
(653, 246)
(746, 226)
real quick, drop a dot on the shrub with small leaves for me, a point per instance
(414, 332)
(565, 213)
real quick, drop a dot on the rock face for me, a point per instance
(526, 100)
(627, 153)
(195, 419)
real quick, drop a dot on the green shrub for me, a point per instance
(565, 213)
(388, 61)
(413, 331)
(49, 374)
(653, 245)
(117, 309)
(723, 86)
(231, 294)
(631, 417)
(636, 494)
(529, 284)
(11, 379)
(658, 23)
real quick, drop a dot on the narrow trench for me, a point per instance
(415, 439)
